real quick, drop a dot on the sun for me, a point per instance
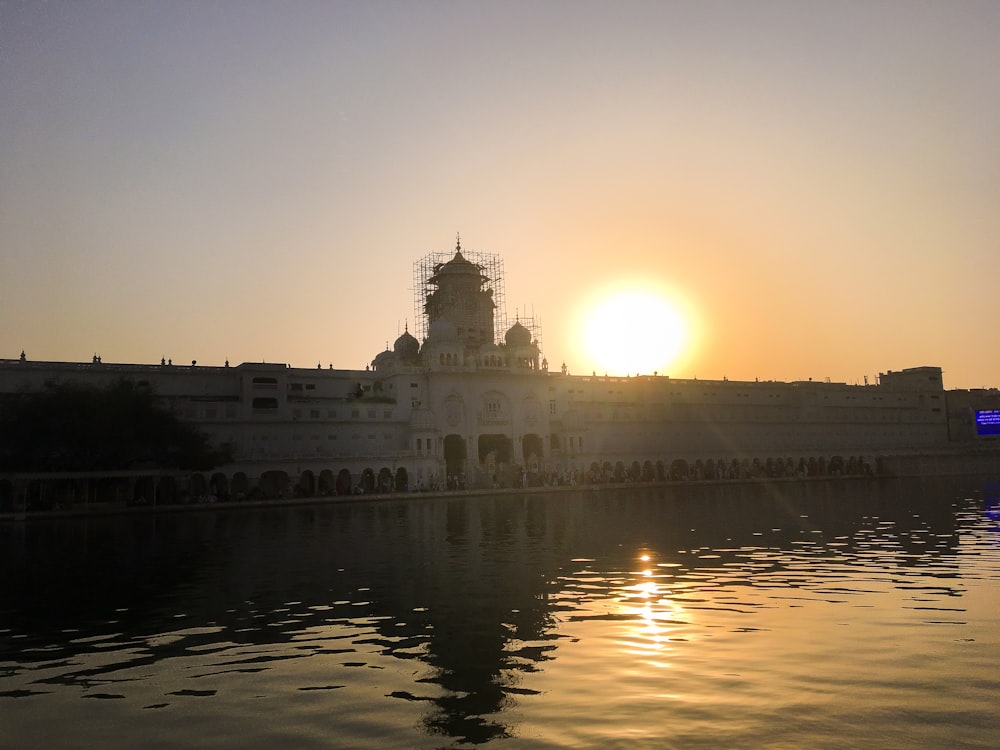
(634, 331)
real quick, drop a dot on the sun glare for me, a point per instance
(634, 332)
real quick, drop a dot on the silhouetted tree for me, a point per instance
(69, 427)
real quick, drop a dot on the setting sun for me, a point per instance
(634, 332)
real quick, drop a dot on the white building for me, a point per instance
(467, 407)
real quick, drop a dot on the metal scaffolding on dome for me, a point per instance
(491, 266)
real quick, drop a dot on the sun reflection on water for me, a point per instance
(655, 615)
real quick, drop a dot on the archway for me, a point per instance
(6, 496)
(166, 490)
(219, 486)
(385, 479)
(197, 487)
(368, 480)
(327, 484)
(344, 482)
(498, 445)
(533, 450)
(679, 469)
(402, 480)
(240, 486)
(273, 484)
(307, 484)
(454, 455)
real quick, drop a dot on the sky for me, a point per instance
(814, 187)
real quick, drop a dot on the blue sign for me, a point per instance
(988, 422)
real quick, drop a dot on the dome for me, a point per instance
(406, 346)
(442, 330)
(518, 335)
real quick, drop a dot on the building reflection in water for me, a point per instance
(471, 590)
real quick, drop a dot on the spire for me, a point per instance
(458, 242)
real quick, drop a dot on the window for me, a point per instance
(314, 413)
(265, 403)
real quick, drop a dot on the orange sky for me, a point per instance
(815, 184)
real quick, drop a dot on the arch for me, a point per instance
(239, 486)
(498, 445)
(635, 472)
(143, 490)
(307, 484)
(219, 486)
(327, 484)
(385, 479)
(679, 469)
(6, 496)
(533, 450)
(661, 470)
(402, 479)
(197, 486)
(620, 471)
(273, 484)
(454, 455)
(367, 482)
(344, 482)
(648, 473)
(167, 491)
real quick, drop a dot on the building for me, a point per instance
(473, 404)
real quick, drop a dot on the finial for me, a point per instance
(458, 242)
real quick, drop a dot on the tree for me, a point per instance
(70, 427)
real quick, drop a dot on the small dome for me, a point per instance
(406, 346)
(442, 330)
(517, 335)
(383, 360)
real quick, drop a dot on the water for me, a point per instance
(819, 615)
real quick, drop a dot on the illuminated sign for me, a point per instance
(988, 422)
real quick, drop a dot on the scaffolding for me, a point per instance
(533, 323)
(491, 267)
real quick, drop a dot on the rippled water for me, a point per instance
(853, 614)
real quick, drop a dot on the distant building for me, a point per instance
(467, 407)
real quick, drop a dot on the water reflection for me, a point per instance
(452, 606)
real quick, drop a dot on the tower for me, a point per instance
(466, 291)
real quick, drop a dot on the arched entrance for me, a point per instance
(273, 484)
(368, 480)
(327, 485)
(344, 482)
(219, 486)
(385, 479)
(402, 480)
(498, 445)
(240, 486)
(307, 484)
(454, 455)
(532, 448)
(197, 487)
